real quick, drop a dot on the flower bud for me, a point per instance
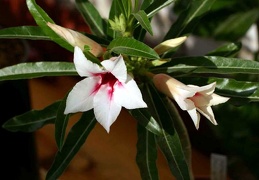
(169, 44)
(77, 39)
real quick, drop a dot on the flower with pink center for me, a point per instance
(106, 89)
(190, 98)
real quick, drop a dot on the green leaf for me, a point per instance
(146, 154)
(146, 3)
(237, 89)
(143, 20)
(41, 18)
(37, 69)
(169, 142)
(235, 26)
(33, 120)
(75, 139)
(181, 130)
(24, 32)
(145, 119)
(156, 6)
(92, 17)
(61, 124)
(126, 7)
(209, 64)
(226, 50)
(188, 18)
(132, 47)
(115, 11)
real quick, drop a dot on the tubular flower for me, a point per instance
(77, 39)
(190, 98)
(106, 89)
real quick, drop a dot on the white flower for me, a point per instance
(77, 39)
(106, 89)
(190, 98)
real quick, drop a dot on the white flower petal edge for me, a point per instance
(83, 66)
(193, 99)
(106, 89)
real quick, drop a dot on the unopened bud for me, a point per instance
(169, 44)
(77, 39)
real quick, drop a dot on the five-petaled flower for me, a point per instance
(106, 89)
(190, 98)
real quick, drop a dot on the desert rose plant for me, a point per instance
(116, 64)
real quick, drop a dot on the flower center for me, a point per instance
(109, 79)
(200, 100)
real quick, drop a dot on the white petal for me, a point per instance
(208, 89)
(208, 113)
(80, 97)
(217, 99)
(128, 95)
(117, 67)
(105, 109)
(84, 67)
(200, 99)
(195, 117)
(182, 99)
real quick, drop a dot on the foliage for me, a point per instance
(159, 125)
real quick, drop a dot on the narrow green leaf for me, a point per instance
(169, 142)
(226, 50)
(146, 154)
(156, 6)
(24, 32)
(126, 7)
(146, 3)
(143, 20)
(236, 89)
(75, 139)
(37, 69)
(209, 64)
(181, 130)
(114, 11)
(33, 120)
(41, 18)
(189, 18)
(145, 119)
(235, 26)
(61, 124)
(132, 47)
(92, 17)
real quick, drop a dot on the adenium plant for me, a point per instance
(116, 63)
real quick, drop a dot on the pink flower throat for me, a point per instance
(108, 78)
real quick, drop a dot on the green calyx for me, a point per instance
(137, 65)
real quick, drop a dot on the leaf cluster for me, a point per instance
(160, 125)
